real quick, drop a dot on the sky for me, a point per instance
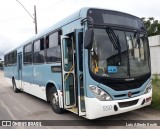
(16, 25)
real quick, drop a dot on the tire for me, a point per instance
(14, 86)
(54, 101)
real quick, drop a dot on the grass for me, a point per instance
(156, 92)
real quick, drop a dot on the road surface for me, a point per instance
(22, 106)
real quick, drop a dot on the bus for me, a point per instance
(94, 63)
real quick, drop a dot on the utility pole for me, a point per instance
(33, 17)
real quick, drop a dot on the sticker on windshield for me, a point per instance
(112, 69)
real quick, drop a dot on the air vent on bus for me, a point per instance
(123, 95)
(127, 104)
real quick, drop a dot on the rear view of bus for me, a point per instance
(118, 63)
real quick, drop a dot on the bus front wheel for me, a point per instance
(54, 101)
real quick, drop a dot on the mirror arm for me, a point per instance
(90, 19)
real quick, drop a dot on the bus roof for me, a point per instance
(81, 13)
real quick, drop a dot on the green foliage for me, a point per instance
(152, 26)
(156, 80)
(156, 92)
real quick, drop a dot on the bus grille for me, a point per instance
(126, 95)
(127, 104)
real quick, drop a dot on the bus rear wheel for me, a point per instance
(54, 101)
(14, 86)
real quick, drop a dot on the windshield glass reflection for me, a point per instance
(105, 59)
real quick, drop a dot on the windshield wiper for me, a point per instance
(114, 40)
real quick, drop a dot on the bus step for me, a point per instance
(74, 110)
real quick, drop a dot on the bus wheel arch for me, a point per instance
(52, 97)
(15, 89)
(49, 86)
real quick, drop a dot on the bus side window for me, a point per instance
(47, 42)
(53, 48)
(27, 55)
(38, 56)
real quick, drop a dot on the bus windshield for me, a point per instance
(132, 61)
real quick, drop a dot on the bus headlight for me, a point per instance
(99, 93)
(148, 88)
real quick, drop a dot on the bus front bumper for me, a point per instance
(96, 109)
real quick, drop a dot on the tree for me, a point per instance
(152, 26)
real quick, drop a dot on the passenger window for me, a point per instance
(38, 55)
(27, 58)
(10, 59)
(53, 48)
(14, 57)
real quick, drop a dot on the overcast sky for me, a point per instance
(17, 26)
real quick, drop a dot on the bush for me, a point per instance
(156, 92)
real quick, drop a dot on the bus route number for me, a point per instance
(107, 108)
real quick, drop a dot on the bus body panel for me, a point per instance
(106, 108)
(37, 77)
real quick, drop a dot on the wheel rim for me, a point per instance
(55, 100)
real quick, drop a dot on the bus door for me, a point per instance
(79, 71)
(20, 70)
(68, 73)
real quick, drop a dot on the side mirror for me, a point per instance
(88, 39)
